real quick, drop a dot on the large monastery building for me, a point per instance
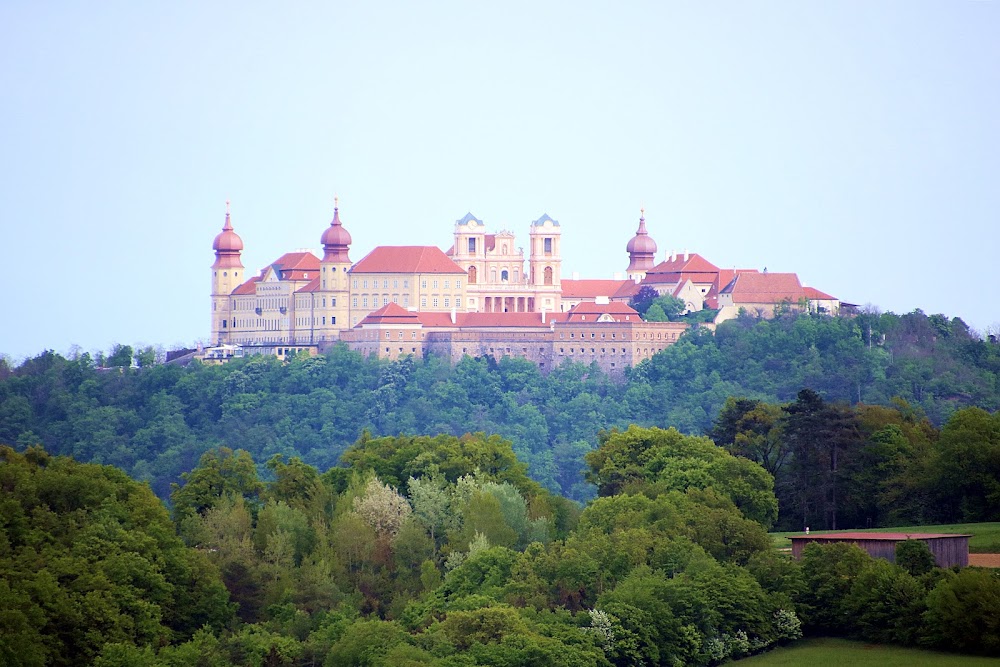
(481, 297)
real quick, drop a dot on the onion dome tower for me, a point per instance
(226, 272)
(336, 240)
(641, 250)
(227, 246)
(333, 311)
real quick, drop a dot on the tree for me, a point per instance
(915, 557)
(220, 472)
(643, 299)
(120, 357)
(966, 465)
(653, 460)
(823, 439)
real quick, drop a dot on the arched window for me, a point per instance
(504, 248)
(472, 275)
(548, 275)
(493, 276)
(504, 276)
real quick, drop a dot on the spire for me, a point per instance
(227, 245)
(336, 240)
(641, 248)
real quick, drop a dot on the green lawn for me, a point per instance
(985, 536)
(828, 652)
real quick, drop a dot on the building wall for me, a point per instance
(612, 345)
(948, 551)
(433, 292)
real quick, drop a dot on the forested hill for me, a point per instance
(155, 422)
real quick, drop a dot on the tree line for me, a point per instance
(441, 551)
(155, 421)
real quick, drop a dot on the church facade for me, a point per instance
(483, 296)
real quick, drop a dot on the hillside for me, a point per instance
(155, 422)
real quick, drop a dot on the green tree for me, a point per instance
(220, 472)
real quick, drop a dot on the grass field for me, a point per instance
(828, 652)
(985, 536)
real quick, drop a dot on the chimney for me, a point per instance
(452, 315)
(673, 255)
(685, 254)
(543, 315)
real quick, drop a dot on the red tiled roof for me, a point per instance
(712, 298)
(406, 259)
(876, 536)
(764, 288)
(249, 287)
(589, 312)
(312, 286)
(584, 289)
(490, 320)
(391, 313)
(297, 261)
(813, 293)
(627, 291)
(694, 263)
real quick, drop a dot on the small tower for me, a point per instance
(641, 251)
(333, 309)
(227, 272)
(470, 247)
(545, 264)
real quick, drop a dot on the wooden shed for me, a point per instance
(948, 548)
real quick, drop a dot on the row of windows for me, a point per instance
(593, 350)
(385, 301)
(672, 335)
(385, 284)
(314, 321)
(447, 284)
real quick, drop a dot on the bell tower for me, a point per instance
(333, 309)
(545, 264)
(227, 274)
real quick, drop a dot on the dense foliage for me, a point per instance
(155, 421)
(313, 524)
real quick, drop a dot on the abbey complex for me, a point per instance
(480, 297)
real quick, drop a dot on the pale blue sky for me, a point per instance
(855, 143)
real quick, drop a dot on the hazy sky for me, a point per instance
(855, 143)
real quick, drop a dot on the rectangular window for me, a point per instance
(435, 284)
(385, 284)
(324, 320)
(365, 284)
(395, 284)
(387, 336)
(423, 302)
(446, 284)
(548, 246)
(458, 284)
(333, 320)
(447, 302)
(355, 302)
(406, 284)
(472, 245)
(435, 302)
(364, 302)
(333, 303)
